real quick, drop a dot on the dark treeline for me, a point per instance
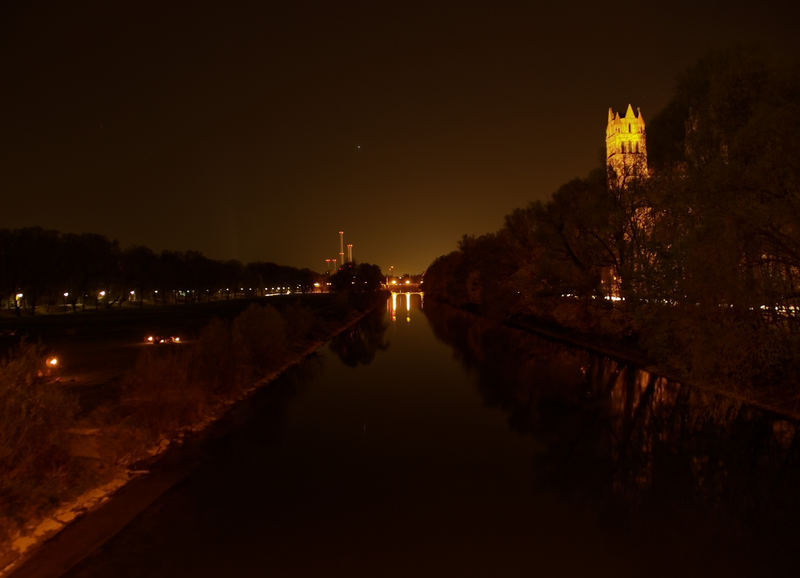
(703, 254)
(357, 278)
(40, 267)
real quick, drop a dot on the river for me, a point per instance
(426, 442)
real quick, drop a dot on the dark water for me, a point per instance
(432, 444)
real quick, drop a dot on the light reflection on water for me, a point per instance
(410, 297)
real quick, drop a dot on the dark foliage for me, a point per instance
(704, 253)
(44, 265)
(357, 278)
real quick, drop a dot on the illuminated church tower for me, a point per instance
(626, 150)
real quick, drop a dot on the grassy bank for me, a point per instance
(56, 448)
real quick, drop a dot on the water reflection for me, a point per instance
(410, 297)
(644, 449)
(396, 469)
(359, 344)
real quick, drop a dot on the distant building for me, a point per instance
(626, 147)
(626, 161)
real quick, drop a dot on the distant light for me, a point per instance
(66, 293)
(102, 293)
(52, 362)
(408, 282)
(19, 295)
(316, 284)
(132, 292)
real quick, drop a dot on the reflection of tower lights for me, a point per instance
(394, 306)
(408, 302)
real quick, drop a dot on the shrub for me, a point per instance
(299, 324)
(160, 394)
(258, 338)
(35, 414)
(213, 360)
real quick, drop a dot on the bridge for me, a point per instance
(406, 286)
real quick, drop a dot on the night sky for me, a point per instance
(258, 130)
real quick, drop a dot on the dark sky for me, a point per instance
(232, 128)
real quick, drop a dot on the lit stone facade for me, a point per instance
(626, 147)
(626, 161)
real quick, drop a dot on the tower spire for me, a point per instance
(626, 147)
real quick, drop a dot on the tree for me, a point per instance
(357, 278)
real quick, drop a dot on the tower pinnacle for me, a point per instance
(626, 147)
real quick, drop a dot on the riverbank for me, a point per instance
(775, 400)
(465, 447)
(128, 477)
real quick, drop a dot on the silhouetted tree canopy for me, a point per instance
(357, 278)
(42, 265)
(704, 253)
